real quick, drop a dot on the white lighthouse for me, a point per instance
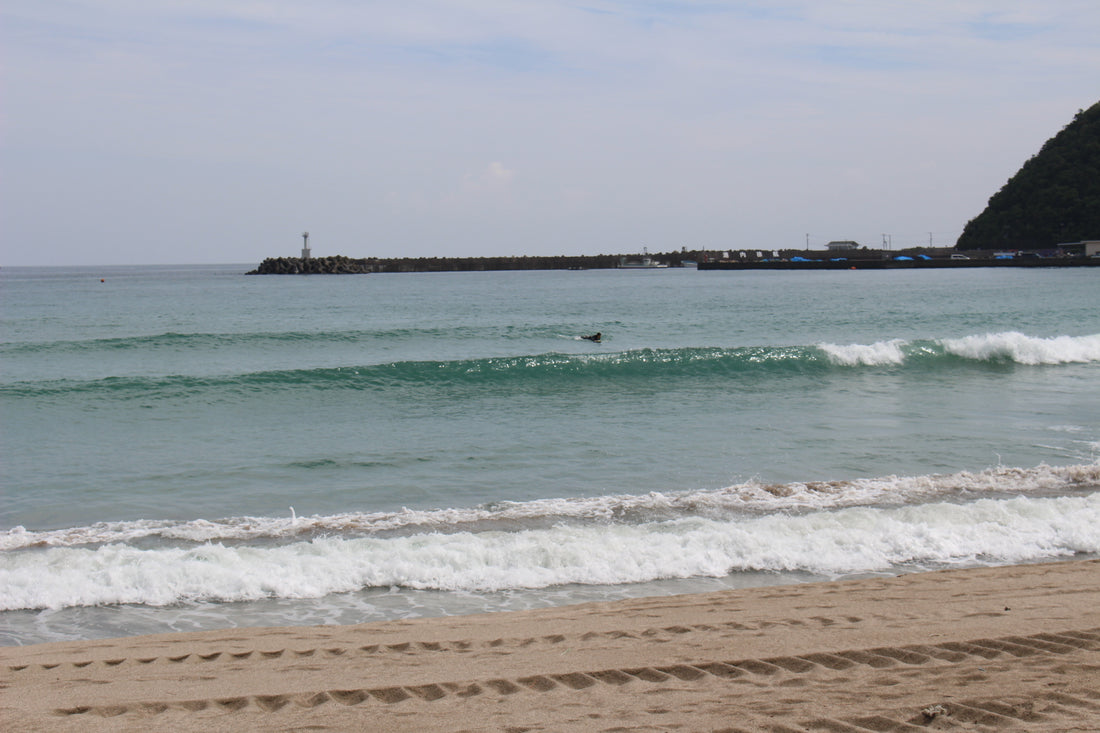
(305, 245)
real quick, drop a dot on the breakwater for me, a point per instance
(786, 260)
(340, 265)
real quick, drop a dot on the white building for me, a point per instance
(842, 246)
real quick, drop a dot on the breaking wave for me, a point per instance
(833, 543)
(570, 370)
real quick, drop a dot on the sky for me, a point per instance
(217, 131)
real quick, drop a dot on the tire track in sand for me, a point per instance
(977, 714)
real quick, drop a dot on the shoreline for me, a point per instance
(987, 648)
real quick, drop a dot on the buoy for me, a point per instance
(102, 280)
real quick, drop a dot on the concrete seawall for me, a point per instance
(867, 264)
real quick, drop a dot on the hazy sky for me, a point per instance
(216, 131)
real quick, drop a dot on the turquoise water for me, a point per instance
(188, 447)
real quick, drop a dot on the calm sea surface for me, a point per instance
(187, 447)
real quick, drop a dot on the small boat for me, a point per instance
(645, 263)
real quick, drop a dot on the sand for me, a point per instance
(1012, 648)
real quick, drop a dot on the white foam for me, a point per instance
(851, 540)
(752, 497)
(1017, 347)
(880, 353)
(1008, 345)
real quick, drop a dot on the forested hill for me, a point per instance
(1053, 198)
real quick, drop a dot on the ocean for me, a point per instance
(187, 448)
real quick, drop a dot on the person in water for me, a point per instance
(594, 337)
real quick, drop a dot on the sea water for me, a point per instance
(188, 447)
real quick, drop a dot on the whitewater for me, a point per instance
(189, 448)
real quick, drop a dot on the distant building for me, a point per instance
(842, 246)
(1088, 248)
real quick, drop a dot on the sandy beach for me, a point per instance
(984, 649)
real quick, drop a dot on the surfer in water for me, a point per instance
(594, 337)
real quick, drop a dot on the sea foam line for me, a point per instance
(749, 498)
(829, 543)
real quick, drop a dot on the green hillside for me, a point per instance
(1053, 198)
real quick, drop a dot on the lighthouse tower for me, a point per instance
(305, 245)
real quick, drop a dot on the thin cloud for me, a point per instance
(693, 123)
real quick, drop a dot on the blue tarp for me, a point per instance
(799, 259)
(903, 257)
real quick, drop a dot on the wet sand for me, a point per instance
(986, 649)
